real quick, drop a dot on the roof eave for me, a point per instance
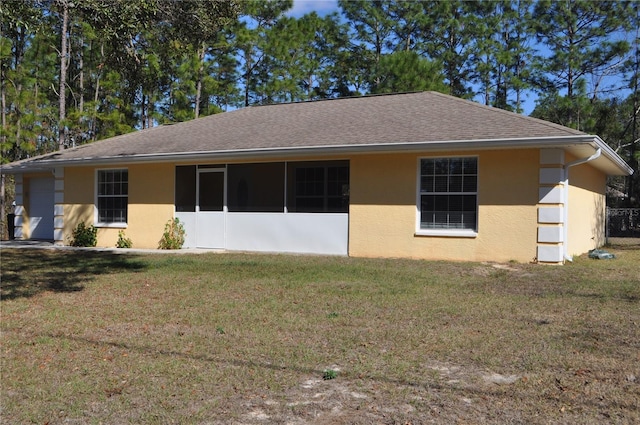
(612, 156)
(431, 146)
(8, 169)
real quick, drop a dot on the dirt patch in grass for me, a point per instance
(248, 339)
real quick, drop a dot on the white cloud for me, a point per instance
(321, 7)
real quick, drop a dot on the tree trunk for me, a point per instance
(632, 190)
(247, 77)
(150, 109)
(3, 101)
(3, 108)
(94, 124)
(81, 77)
(3, 216)
(143, 111)
(63, 75)
(201, 53)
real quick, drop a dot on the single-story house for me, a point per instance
(416, 175)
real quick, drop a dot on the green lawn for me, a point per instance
(95, 337)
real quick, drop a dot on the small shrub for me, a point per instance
(123, 241)
(173, 236)
(84, 235)
(329, 374)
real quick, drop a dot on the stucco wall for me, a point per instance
(151, 205)
(79, 188)
(151, 191)
(383, 210)
(587, 209)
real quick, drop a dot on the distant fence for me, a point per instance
(623, 222)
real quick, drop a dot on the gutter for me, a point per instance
(565, 243)
(444, 145)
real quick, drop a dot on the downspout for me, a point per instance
(565, 242)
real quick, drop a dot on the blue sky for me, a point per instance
(324, 7)
(321, 7)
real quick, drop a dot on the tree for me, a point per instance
(577, 34)
(28, 66)
(64, 18)
(19, 92)
(446, 37)
(406, 71)
(303, 54)
(198, 24)
(631, 133)
(372, 33)
(249, 42)
(500, 51)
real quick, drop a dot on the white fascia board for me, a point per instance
(26, 168)
(608, 152)
(444, 145)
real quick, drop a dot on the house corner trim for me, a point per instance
(58, 208)
(551, 206)
(18, 232)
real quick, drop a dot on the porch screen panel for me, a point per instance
(256, 187)
(318, 187)
(185, 195)
(211, 191)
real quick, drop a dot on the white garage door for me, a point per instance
(41, 208)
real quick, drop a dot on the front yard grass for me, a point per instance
(94, 337)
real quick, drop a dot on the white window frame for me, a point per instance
(462, 233)
(96, 212)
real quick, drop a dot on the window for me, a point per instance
(113, 194)
(318, 187)
(448, 194)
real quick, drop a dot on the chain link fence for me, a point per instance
(623, 222)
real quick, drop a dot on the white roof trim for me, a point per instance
(445, 145)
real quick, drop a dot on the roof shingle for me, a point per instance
(370, 120)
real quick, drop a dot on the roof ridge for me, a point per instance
(510, 113)
(364, 96)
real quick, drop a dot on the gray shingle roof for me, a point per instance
(397, 119)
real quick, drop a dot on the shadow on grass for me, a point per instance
(28, 272)
(243, 363)
(482, 391)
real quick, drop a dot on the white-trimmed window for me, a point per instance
(112, 196)
(318, 187)
(448, 196)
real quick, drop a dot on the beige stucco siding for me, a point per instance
(383, 212)
(587, 209)
(79, 187)
(150, 203)
(383, 215)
